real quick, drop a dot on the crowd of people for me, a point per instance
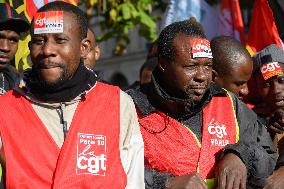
(204, 115)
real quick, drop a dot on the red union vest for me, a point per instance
(177, 150)
(89, 157)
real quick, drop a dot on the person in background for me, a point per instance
(11, 27)
(147, 69)
(145, 72)
(268, 78)
(54, 142)
(197, 135)
(269, 95)
(94, 54)
(232, 65)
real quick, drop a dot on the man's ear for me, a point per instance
(85, 48)
(97, 52)
(162, 65)
(215, 76)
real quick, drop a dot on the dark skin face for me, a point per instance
(262, 87)
(186, 77)
(8, 45)
(94, 54)
(236, 81)
(270, 93)
(56, 56)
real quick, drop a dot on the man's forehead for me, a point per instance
(9, 33)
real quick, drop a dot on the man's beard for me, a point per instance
(48, 85)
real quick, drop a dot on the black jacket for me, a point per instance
(9, 77)
(254, 147)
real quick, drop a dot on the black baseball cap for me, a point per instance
(10, 19)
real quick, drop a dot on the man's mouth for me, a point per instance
(47, 65)
(198, 90)
(279, 102)
(4, 56)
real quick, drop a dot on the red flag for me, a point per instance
(231, 21)
(33, 5)
(263, 30)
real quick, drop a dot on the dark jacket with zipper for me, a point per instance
(9, 76)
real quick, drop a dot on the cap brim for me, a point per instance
(16, 24)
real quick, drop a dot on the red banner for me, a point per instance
(33, 5)
(231, 21)
(263, 30)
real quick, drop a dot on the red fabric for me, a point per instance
(219, 129)
(250, 106)
(262, 30)
(231, 20)
(33, 159)
(167, 151)
(31, 7)
(8, 10)
(176, 150)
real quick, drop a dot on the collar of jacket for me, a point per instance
(152, 97)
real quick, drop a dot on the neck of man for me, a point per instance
(3, 64)
(174, 106)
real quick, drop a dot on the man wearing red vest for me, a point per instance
(61, 128)
(195, 134)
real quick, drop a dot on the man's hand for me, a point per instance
(276, 180)
(231, 173)
(190, 181)
(276, 122)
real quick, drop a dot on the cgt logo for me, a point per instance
(270, 67)
(200, 48)
(91, 154)
(40, 20)
(215, 129)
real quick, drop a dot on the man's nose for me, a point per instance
(4, 45)
(49, 49)
(200, 75)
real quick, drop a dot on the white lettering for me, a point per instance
(216, 142)
(94, 164)
(79, 162)
(269, 67)
(216, 129)
(40, 21)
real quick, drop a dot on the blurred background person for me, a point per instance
(94, 54)
(232, 65)
(11, 26)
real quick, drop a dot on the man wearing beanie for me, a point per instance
(267, 75)
(11, 26)
(269, 103)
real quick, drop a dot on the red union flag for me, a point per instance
(231, 21)
(33, 5)
(262, 30)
